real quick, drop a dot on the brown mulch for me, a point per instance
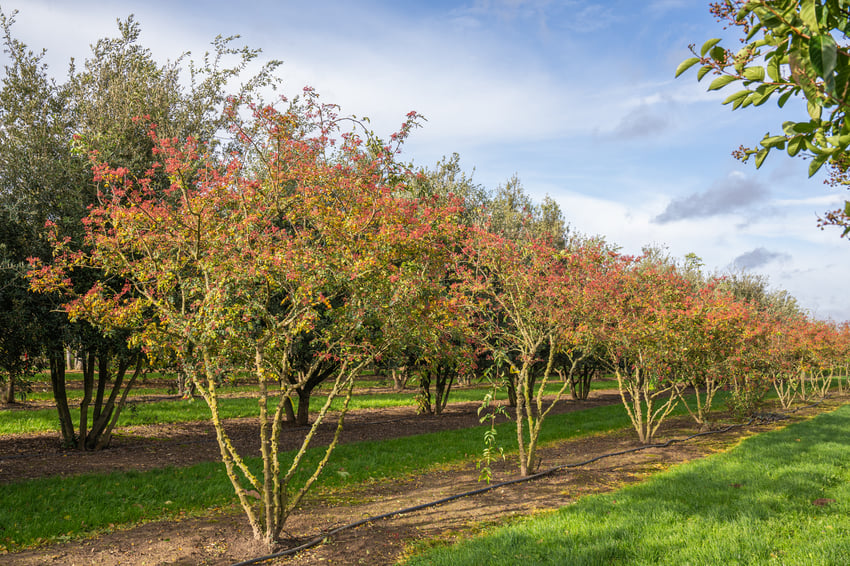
(225, 538)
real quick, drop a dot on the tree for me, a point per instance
(585, 261)
(716, 330)
(447, 179)
(790, 50)
(512, 214)
(45, 179)
(643, 307)
(298, 230)
(35, 160)
(514, 295)
(19, 331)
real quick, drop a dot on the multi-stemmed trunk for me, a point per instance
(704, 391)
(103, 410)
(647, 406)
(270, 498)
(531, 409)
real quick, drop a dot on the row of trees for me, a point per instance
(303, 250)
(305, 253)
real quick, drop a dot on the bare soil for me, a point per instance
(224, 538)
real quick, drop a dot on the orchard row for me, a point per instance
(307, 251)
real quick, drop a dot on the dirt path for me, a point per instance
(225, 539)
(27, 456)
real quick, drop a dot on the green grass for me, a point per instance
(77, 394)
(179, 410)
(752, 505)
(56, 508)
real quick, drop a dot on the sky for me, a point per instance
(576, 98)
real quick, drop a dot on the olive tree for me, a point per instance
(44, 178)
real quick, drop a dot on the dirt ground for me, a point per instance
(224, 539)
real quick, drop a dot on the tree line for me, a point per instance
(147, 222)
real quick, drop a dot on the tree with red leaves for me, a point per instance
(302, 229)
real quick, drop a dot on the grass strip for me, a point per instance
(14, 421)
(59, 508)
(777, 498)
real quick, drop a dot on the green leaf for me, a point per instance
(773, 70)
(763, 95)
(814, 109)
(794, 128)
(754, 73)
(771, 21)
(758, 99)
(841, 75)
(686, 64)
(718, 53)
(817, 163)
(708, 45)
(754, 30)
(810, 145)
(721, 81)
(760, 156)
(773, 141)
(736, 96)
(703, 72)
(795, 145)
(784, 98)
(822, 54)
(809, 14)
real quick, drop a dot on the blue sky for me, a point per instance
(575, 97)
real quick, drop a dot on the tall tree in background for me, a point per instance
(36, 169)
(45, 179)
(790, 50)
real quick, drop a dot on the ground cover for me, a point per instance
(220, 538)
(233, 404)
(778, 498)
(35, 511)
(348, 478)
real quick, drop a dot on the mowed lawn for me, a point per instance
(781, 497)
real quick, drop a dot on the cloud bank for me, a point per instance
(733, 194)
(757, 258)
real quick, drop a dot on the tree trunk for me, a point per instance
(9, 390)
(115, 408)
(302, 415)
(400, 377)
(520, 416)
(510, 381)
(424, 397)
(88, 385)
(289, 412)
(57, 383)
(445, 378)
(107, 412)
(580, 383)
